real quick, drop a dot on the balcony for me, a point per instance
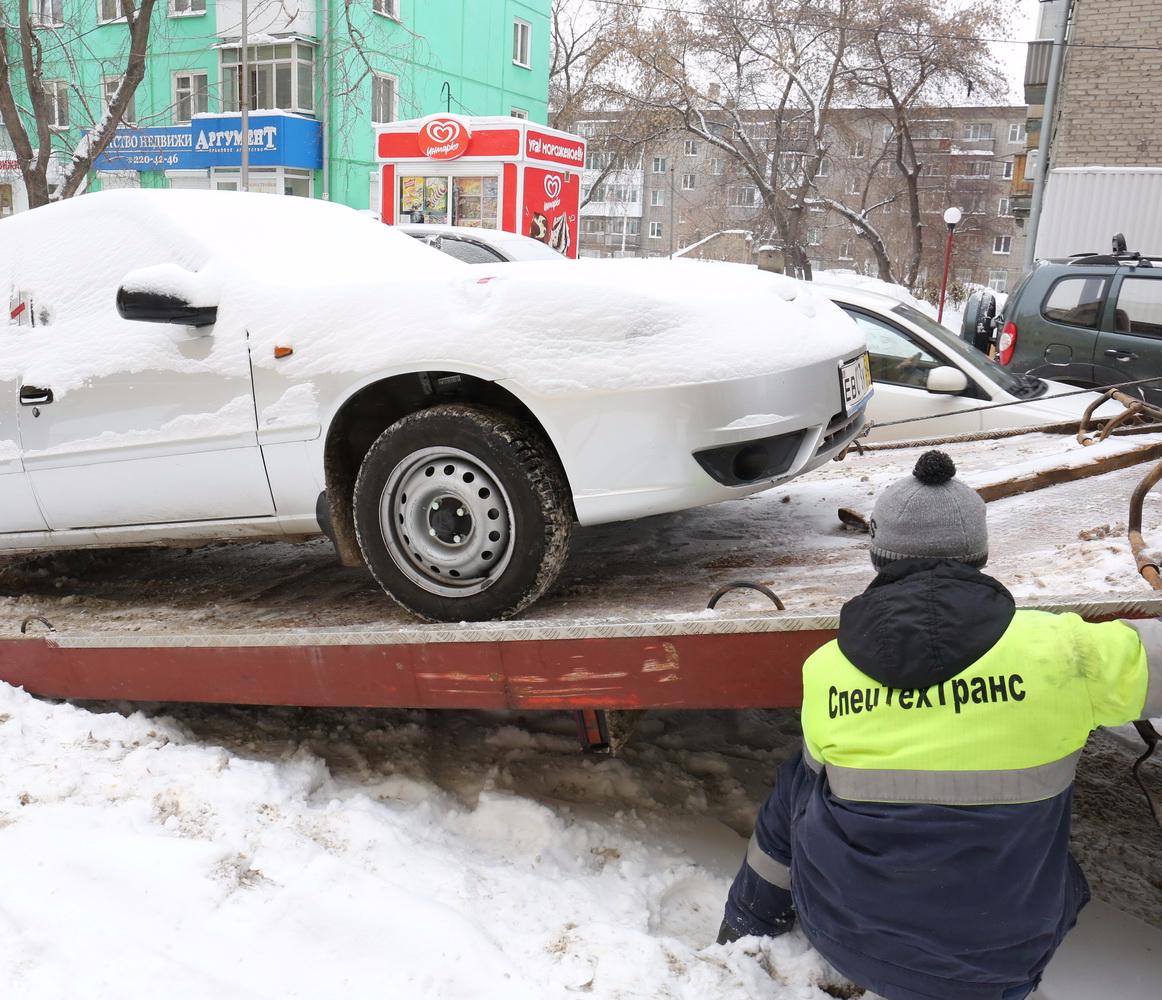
(1037, 70)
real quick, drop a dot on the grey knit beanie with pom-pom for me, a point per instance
(929, 515)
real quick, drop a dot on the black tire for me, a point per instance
(490, 519)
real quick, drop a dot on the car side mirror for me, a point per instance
(946, 379)
(167, 293)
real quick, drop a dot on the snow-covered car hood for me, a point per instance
(351, 296)
(594, 325)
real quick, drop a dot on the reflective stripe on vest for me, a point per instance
(950, 788)
(766, 867)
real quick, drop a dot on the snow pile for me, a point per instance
(355, 298)
(247, 854)
(143, 862)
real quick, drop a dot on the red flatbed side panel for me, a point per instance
(744, 670)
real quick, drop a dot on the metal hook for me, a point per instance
(36, 618)
(746, 585)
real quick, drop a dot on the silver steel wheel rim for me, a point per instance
(447, 522)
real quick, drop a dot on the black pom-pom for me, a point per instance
(934, 468)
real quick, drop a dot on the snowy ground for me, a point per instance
(201, 851)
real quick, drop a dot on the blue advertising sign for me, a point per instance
(276, 140)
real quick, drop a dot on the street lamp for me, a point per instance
(952, 216)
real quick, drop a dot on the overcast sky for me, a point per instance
(1013, 55)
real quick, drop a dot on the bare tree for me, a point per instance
(587, 62)
(758, 80)
(907, 55)
(37, 45)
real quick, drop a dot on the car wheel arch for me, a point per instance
(367, 412)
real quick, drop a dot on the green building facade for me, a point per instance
(330, 69)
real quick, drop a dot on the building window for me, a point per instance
(853, 185)
(383, 99)
(520, 113)
(1005, 207)
(716, 165)
(388, 8)
(592, 227)
(845, 251)
(656, 199)
(628, 227)
(999, 281)
(659, 164)
(56, 92)
(889, 131)
(978, 130)
(655, 230)
(109, 11)
(185, 8)
(690, 147)
(1007, 170)
(978, 168)
(1017, 133)
(109, 87)
(47, 13)
(190, 96)
(1002, 244)
(281, 76)
(814, 237)
(746, 196)
(522, 37)
(859, 150)
(824, 168)
(688, 182)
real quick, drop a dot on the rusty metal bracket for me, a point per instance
(1134, 412)
(1146, 566)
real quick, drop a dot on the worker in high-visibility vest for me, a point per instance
(921, 837)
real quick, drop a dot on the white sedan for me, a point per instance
(182, 365)
(921, 369)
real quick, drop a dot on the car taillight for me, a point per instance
(1008, 343)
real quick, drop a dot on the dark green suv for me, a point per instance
(1091, 320)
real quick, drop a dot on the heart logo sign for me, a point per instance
(444, 139)
(552, 187)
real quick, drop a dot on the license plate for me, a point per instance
(855, 380)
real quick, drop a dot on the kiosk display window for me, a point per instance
(443, 200)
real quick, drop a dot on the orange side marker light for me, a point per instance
(283, 352)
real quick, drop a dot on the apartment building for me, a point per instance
(1107, 124)
(682, 190)
(321, 76)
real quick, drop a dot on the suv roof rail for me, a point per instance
(1091, 259)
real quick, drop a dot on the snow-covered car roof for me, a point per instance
(369, 299)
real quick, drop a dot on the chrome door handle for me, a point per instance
(1113, 352)
(31, 395)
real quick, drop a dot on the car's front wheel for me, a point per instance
(462, 513)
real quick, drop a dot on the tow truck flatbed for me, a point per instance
(283, 623)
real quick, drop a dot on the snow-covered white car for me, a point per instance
(480, 246)
(922, 369)
(184, 365)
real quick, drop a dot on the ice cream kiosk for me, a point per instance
(495, 173)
